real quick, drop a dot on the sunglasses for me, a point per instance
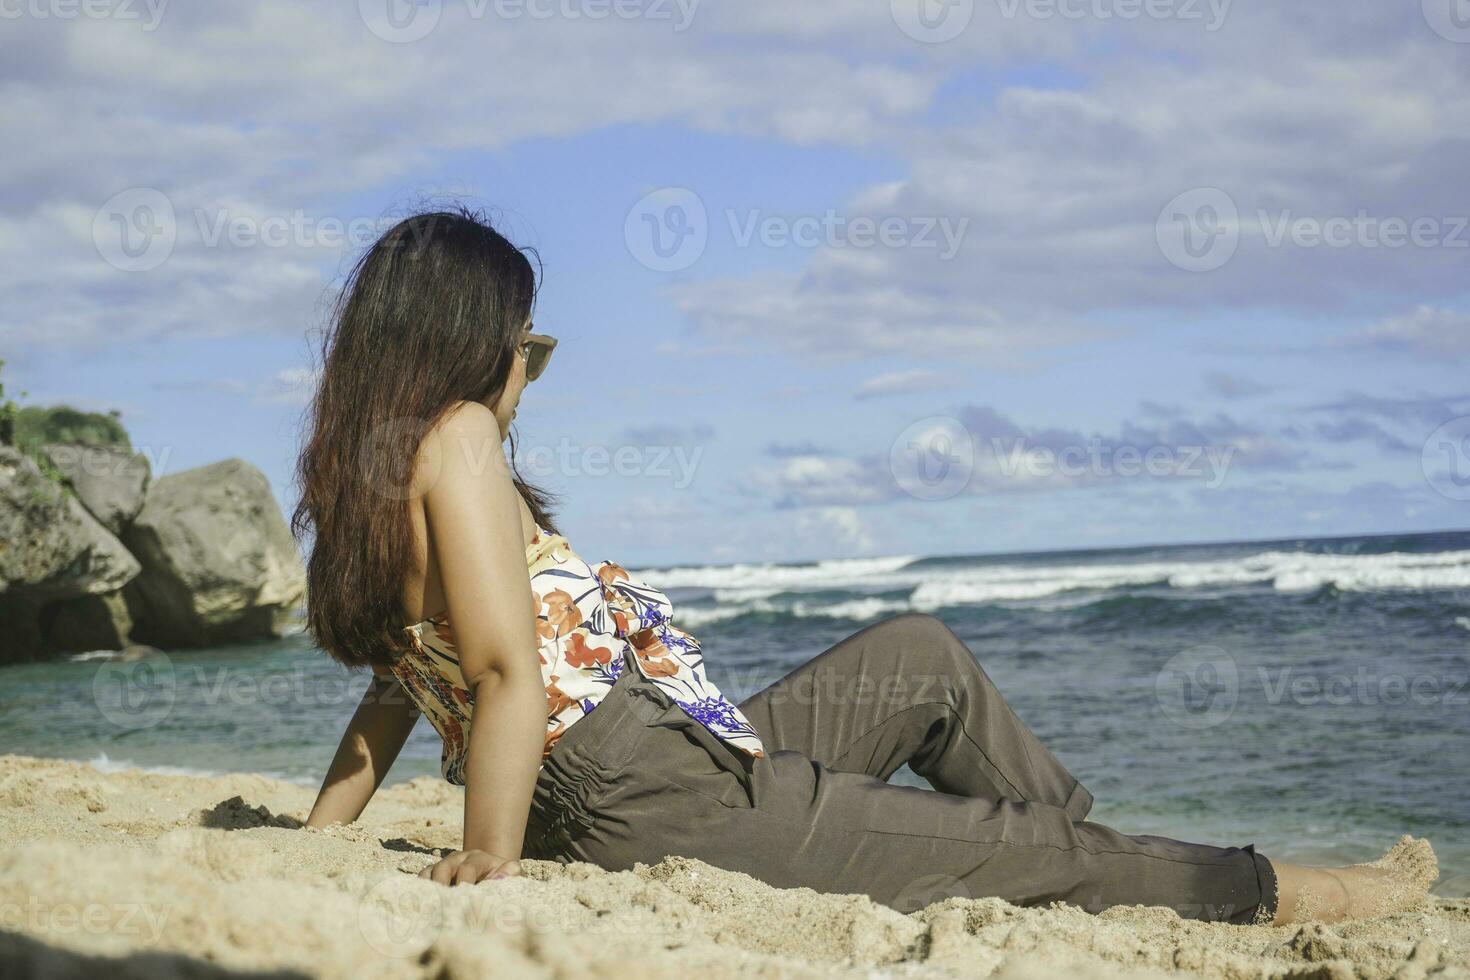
(536, 349)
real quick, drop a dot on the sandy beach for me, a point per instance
(166, 875)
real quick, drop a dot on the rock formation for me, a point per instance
(108, 558)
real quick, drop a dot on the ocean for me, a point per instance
(1309, 696)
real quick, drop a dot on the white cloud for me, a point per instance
(1427, 332)
(834, 529)
(278, 109)
(905, 382)
(1353, 110)
(1234, 386)
(836, 314)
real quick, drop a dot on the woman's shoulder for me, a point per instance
(464, 454)
(467, 414)
(463, 446)
(464, 426)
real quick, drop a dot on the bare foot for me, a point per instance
(1397, 881)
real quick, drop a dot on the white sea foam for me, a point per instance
(836, 573)
(95, 655)
(860, 608)
(104, 763)
(744, 589)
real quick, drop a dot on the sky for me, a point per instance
(830, 279)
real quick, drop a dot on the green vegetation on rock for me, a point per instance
(8, 411)
(31, 428)
(36, 427)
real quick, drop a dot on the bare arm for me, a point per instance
(373, 739)
(474, 521)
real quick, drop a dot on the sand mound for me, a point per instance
(143, 875)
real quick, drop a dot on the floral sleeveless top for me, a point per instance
(587, 616)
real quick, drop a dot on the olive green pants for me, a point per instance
(638, 780)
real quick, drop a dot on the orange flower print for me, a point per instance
(647, 641)
(580, 653)
(610, 572)
(621, 620)
(653, 655)
(561, 611)
(453, 736)
(557, 700)
(658, 666)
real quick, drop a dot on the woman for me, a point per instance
(597, 735)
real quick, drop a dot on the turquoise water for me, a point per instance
(1311, 697)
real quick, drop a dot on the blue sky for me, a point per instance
(1136, 207)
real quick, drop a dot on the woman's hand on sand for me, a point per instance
(468, 867)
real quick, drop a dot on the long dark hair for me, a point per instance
(428, 317)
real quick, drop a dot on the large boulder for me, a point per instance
(90, 622)
(50, 546)
(219, 562)
(110, 481)
(51, 549)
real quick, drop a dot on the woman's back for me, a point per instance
(423, 585)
